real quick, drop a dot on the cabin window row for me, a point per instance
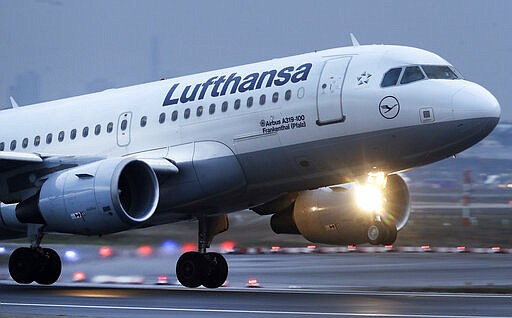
(60, 137)
(143, 121)
(223, 107)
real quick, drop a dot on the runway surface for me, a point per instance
(302, 285)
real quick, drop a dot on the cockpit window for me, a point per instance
(391, 77)
(412, 74)
(439, 72)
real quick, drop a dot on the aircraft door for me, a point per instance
(123, 129)
(330, 89)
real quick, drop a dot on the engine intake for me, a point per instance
(332, 215)
(102, 197)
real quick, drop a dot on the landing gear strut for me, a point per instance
(34, 263)
(194, 269)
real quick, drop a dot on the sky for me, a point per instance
(51, 49)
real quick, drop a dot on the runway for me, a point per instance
(127, 302)
(299, 285)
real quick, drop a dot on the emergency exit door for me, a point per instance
(330, 90)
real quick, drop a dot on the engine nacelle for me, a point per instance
(333, 216)
(102, 197)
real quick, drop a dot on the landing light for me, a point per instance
(369, 195)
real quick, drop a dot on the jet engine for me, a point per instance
(105, 196)
(341, 215)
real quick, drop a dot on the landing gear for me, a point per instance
(381, 233)
(194, 269)
(29, 264)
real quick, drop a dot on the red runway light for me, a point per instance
(79, 277)
(105, 251)
(145, 250)
(189, 247)
(227, 246)
(252, 283)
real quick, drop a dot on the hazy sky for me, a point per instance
(52, 49)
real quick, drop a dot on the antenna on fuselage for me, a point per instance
(13, 102)
(355, 42)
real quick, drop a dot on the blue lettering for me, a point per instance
(220, 85)
(168, 101)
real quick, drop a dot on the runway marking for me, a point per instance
(241, 311)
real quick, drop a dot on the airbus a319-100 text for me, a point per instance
(315, 140)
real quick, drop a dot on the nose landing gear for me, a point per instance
(381, 233)
(194, 269)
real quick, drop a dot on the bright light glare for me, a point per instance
(369, 196)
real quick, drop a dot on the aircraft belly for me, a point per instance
(337, 160)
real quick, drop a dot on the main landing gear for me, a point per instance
(29, 264)
(194, 269)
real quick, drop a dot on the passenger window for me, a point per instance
(275, 97)
(97, 129)
(288, 95)
(24, 143)
(199, 111)
(412, 74)
(13, 145)
(391, 77)
(143, 121)
(161, 118)
(37, 141)
(2, 146)
(263, 98)
(49, 138)
(124, 125)
(224, 107)
(212, 109)
(85, 132)
(249, 102)
(72, 134)
(237, 104)
(110, 127)
(186, 114)
(61, 136)
(174, 115)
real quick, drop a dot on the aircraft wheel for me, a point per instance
(191, 269)
(391, 234)
(50, 267)
(218, 270)
(376, 233)
(23, 266)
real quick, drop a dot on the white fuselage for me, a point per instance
(316, 119)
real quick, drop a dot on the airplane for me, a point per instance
(316, 140)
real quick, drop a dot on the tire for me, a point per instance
(22, 265)
(51, 267)
(217, 270)
(375, 233)
(391, 234)
(191, 269)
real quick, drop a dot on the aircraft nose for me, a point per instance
(474, 101)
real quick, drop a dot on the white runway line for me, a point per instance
(241, 311)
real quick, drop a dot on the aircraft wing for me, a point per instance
(21, 174)
(13, 160)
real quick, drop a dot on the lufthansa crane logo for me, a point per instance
(389, 107)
